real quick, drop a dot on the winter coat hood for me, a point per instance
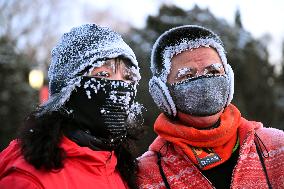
(84, 47)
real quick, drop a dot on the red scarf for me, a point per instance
(206, 148)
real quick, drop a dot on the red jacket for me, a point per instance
(83, 168)
(248, 173)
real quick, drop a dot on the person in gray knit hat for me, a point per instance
(203, 141)
(82, 136)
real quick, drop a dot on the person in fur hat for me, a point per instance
(82, 136)
(203, 141)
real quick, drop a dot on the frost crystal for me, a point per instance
(183, 71)
(88, 94)
(113, 98)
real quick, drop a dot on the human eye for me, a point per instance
(101, 74)
(214, 69)
(130, 76)
(185, 73)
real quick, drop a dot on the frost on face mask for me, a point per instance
(103, 106)
(135, 120)
(85, 46)
(116, 91)
(201, 96)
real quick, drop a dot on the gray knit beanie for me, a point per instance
(86, 46)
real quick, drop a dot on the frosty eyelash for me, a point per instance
(102, 74)
(216, 67)
(183, 72)
(213, 69)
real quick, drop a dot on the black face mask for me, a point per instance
(101, 107)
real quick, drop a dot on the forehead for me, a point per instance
(196, 58)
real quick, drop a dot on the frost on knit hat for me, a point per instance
(86, 46)
(179, 39)
(173, 42)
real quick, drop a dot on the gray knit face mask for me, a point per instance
(202, 95)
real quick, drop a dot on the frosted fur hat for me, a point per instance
(173, 42)
(84, 47)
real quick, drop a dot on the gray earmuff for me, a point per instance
(230, 74)
(161, 96)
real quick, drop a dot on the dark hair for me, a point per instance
(40, 139)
